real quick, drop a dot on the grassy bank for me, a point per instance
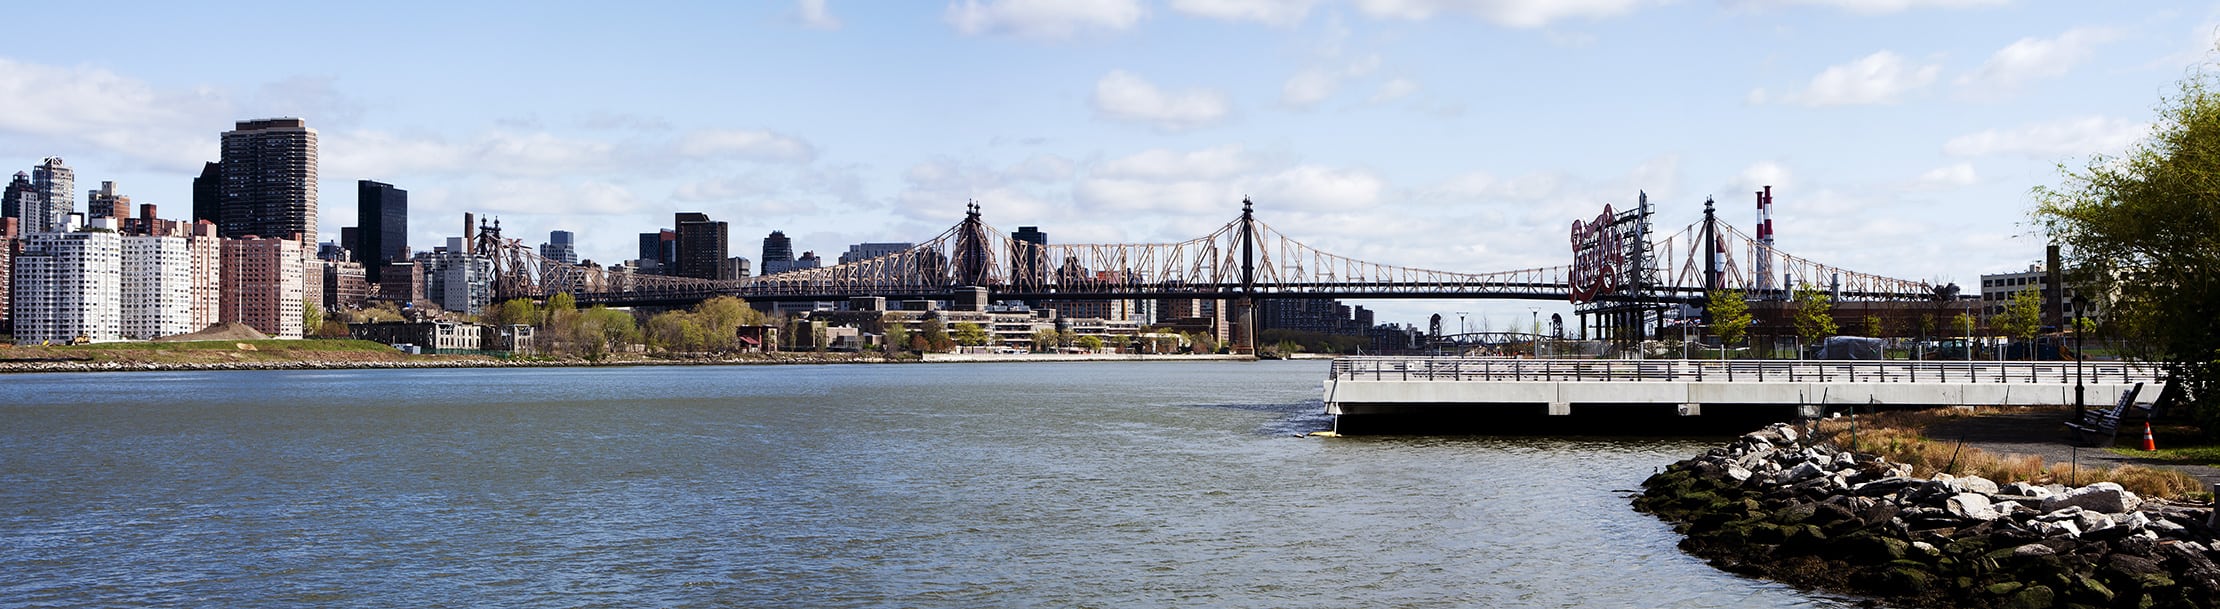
(1899, 436)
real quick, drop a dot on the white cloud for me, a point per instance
(1271, 12)
(1508, 13)
(1313, 85)
(754, 145)
(367, 153)
(544, 197)
(1161, 164)
(1123, 96)
(1952, 176)
(1877, 7)
(1881, 78)
(1042, 18)
(815, 15)
(2030, 59)
(2070, 137)
(1395, 89)
(1762, 174)
(171, 129)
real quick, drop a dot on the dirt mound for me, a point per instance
(229, 330)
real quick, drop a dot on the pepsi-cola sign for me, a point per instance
(1599, 257)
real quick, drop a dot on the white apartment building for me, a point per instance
(156, 280)
(206, 251)
(456, 280)
(68, 286)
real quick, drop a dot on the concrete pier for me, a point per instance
(1473, 386)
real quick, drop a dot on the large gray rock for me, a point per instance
(1803, 471)
(1976, 484)
(2104, 497)
(2023, 489)
(1973, 506)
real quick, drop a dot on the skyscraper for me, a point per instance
(702, 245)
(67, 285)
(559, 247)
(19, 199)
(56, 184)
(778, 253)
(269, 180)
(382, 225)
(105, 203)
(208, 194)
(1029, 263)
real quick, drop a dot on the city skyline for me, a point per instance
(1454, 136)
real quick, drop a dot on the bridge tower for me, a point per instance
(1244, 307)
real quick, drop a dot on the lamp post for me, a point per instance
(2081, 407)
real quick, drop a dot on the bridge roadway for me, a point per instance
(1464, 386)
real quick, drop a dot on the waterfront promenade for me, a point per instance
(1443, 385)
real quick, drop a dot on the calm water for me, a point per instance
(983, 485)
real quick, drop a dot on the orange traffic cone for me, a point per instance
(2148, 443)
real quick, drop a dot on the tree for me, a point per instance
(1730, 316)
(970, 334)
(1045, 339)
(2022, 317)
(935, 333)
(514, 311)
(2136, 234)
(312, 317)
(897, 335)
(1815, 315)
(1871, 326)
(1090, 342)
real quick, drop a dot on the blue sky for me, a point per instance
(1901, 136)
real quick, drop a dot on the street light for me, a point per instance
(2081, 407)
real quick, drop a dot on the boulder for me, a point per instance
(1976, 484)
(1973, 506)
(2023, 489)
(2104, 497)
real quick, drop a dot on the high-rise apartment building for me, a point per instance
(19, 199)
(701, 245)
(262, 285)
(103, 202)
(344, 287)
(455, 279)
(866, 251)
(156, 284)
(269, 181)
(56, 184)
(382, 226)
(10, 229)
(204, 249)
(778, 253)
(67, 286)
(559, 247)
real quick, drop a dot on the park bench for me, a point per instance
(2097, 428)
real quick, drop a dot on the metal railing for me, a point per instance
(1421, 368)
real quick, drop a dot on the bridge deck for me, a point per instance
(1388, 385)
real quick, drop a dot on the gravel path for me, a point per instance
(2042, 432)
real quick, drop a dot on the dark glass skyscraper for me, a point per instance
(382, 213)
(701, 245)
(778, 253)
(208, 193)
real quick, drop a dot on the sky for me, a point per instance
(1902, 137)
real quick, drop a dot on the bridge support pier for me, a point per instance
(1691, 410)
(1558, 409)
(1244, 326)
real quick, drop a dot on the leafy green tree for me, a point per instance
(1045, 339)
(1871, 325)
(935, 333)
(1730, 316)
(897, 335)
(1815, 315)
(970, 334)
(514, 311)
(1090, 342)
(312, 317)
(2022, 317)
(2137, 234)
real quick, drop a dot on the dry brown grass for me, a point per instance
(1897, 436)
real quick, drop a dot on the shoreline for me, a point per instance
(1773, 504)
(436, 361)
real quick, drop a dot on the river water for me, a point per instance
(931, 485)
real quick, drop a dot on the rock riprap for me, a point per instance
(1776, 505)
